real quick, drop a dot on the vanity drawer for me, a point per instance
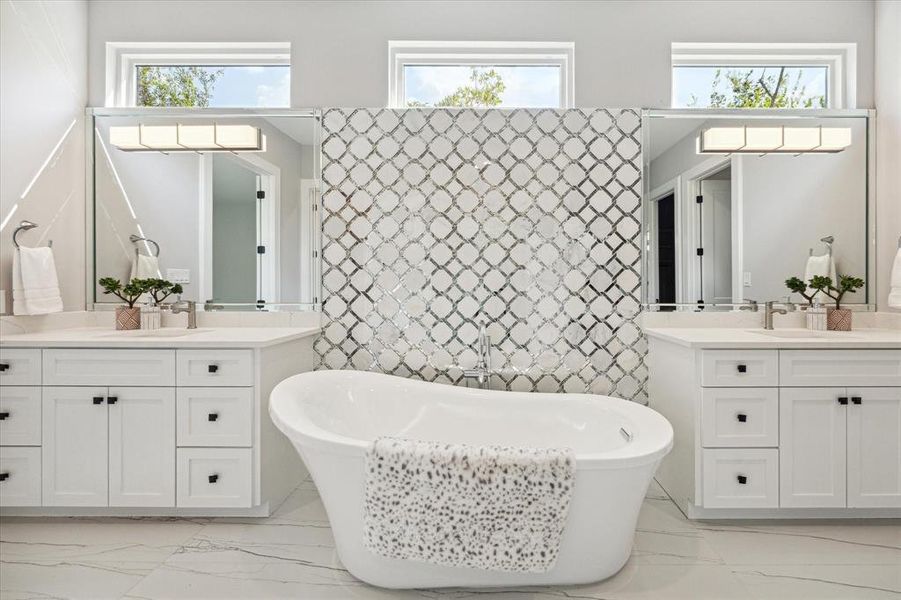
(20, 366)
(109, 367)
(205, 368)
(819, 368)
(20, 416)
(215, 416)
(214, 477)
(741, 478)
(20, 476)
(740, 368)
(739, 417)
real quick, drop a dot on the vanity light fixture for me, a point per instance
(773, 140)
(187, 138)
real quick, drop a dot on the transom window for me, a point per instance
(480, 74)
(763, 76)
(199, 75)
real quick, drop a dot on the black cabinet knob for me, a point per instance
(213, 478)
(856, 399)
(4, 415)
(4, 367)
(212, 417)
(212, 368)
(842, 400)
(742, 368)
(742, 479)
(742, 418)
(4, 476)
(112, 400)
(98, 399)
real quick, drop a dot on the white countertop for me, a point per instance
(167, 337)
(721, 337)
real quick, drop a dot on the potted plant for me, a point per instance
(797, 286)
(129, 316)
(838, 318)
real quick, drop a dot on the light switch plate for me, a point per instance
(178, 275)
(747, 278)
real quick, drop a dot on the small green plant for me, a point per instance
(797, 285)
(847, 284)
(128, 293)
(160, 289)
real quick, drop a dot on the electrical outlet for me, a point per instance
(178, 275)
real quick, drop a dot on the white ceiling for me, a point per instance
(666, 132)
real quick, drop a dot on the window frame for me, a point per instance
(840, 60)
(122, 60)
(414, 53)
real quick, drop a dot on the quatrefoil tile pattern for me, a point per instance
(529, 219)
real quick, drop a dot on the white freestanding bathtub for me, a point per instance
(332, 416)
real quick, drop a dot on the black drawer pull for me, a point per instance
(842, 400)
(112, 400)
(212, 417)
(212, 368)
(742, 418)
(4, 476)
(213, 478)
(98, 399)
(4, 367)
(742, 368)
(4, 415)
(742, 479)
(856, 399)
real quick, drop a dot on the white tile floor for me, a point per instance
(291, 555)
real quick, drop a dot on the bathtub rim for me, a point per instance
(653, 441)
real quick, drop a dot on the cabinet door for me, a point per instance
(874, 447)
(74, 453)
(141, 446)
(812, 432)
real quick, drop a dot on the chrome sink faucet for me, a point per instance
(482, 371)
(186, 306)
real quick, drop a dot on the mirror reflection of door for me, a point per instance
(241, 215)
(666, 251)
(715, 264)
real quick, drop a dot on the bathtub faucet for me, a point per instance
(482, 372)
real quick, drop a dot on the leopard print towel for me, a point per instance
(484, 507)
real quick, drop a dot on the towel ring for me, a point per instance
(136, 238)
(828, 241)
(25, 226)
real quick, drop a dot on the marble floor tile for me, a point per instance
(815, 543)
(32, 580)
(291, 555)
(107, 540)
(819, 582)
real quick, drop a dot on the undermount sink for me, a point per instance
(796, 333)
(166, 332)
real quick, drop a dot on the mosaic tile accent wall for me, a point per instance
(528, 219)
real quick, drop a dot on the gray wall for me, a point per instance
(340, 49)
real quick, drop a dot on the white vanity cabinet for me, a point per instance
(146, 431)
(809, 429)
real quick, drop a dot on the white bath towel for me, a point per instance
(35, 284)
(145, 267)
(483, 507)
(823, 266)
(894, 293)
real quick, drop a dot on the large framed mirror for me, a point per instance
(224, 202)
(737, 201)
